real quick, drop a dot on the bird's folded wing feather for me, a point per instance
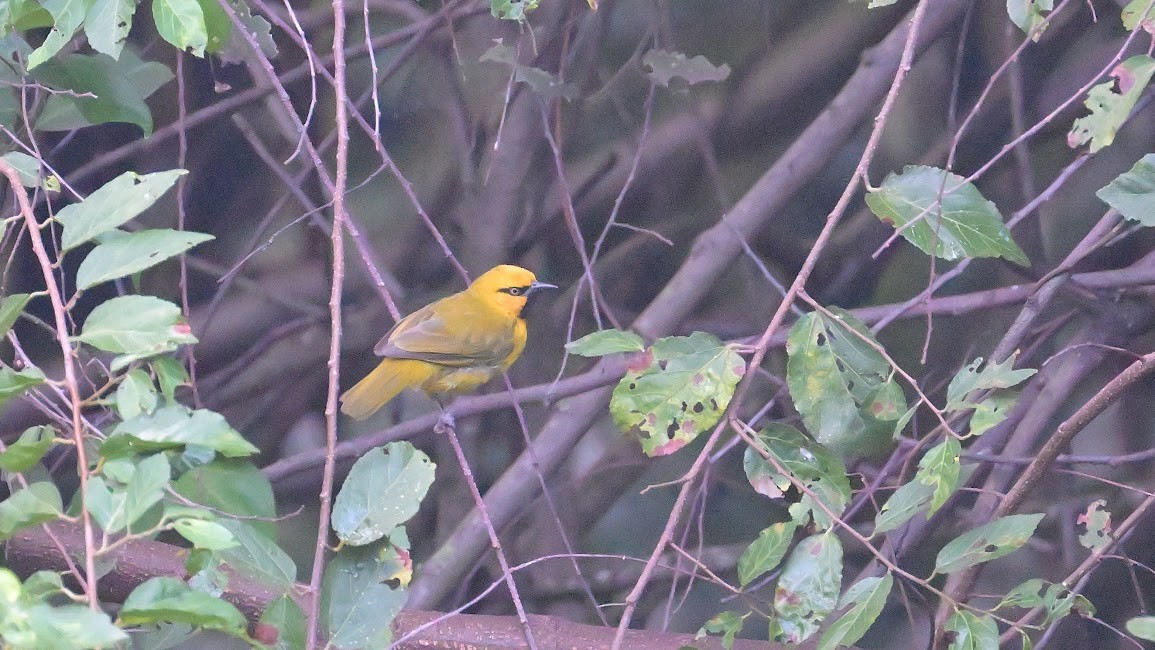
(471, 338)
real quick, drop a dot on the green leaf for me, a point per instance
(258, 555)
(67, 16)
(766, 552)
(665, 66)
(877, 3)
(1142, 627)
(357, 600)
(136, 327)
(1137, 14)
(1097, 520)
(1028, 14)
(601, 343)
(165, 599)
(10, 309)
(131, 252)
(117, 508)
(546, 84)
(219, 28)
(107, 24)
(1109, 109)
(71, 626)
(135, 395)
(27, 451)
(170, 427)
(170, 374)
(842, 386)
(111, 206)
(807, 589)
(284, 616)
(972, 632)
(809, 463)
(939, 468)
(868, 597)
(728, 624)
(987, 542)
(964, 224)
(992, 376)
(1132, 193)
(35, 504)
(236, 48)
(235, 487)
(992, 411)
(14, 383)
(1057, 599)
(512, 9)
(383, 490)
(911, 498)
(677, 390)
(205, 534)
(26, 166)
(42, 584)
(182, 23)
(103, 90)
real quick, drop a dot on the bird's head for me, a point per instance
(507, 287)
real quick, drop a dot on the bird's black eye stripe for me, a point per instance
(514, 291)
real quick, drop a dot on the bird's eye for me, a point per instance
(514, 291)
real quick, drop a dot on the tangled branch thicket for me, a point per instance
(916, 235)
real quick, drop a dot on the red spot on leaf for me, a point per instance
(640, 361)
(182, 329)
(887, 220)
(651, 419)
(688, 426)
(669, 447)
(763, 485)
(265, 633)
(698, 378)
(740, 369)
(1126, 79)
(785, 598)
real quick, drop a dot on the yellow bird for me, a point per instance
(452, 345)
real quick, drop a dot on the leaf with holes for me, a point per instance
(840, 384)
(361, 595)
(677, 390)
(987, 542)
(868, 596)
(807, 590)
(601, 343)
(107, 23)
(728, 624)
(112, 205)
(1132, 193)
(1056, 598)
(812, 465)
(962, 224)
(1097, 520)
(1110, 108)
(1139, 13)
(383, 490)
(993, 376)
(939, 468)
(547, 85)
(764, 553)
(665, 66)
(1028, 14)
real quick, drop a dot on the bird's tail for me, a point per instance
(390, 377)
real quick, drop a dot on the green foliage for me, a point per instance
(363, 591)
(943, 215)
(135, 395)
(1097, 521)
(258, 555)
(866, 598)
(14, 383)
(1109, 109)
(181, 23)
(164, 599)
(28, 621)
(10, 309)
(382, 491)
(728, 624)
(665, 66)
(1142, 627)
(1138, 13)
(27, 166)
(98, 89)
(512, 9)
(1028, 14)
(113, 205)
(808, 588)
(815, 467)
(35, 504)
(987, 542)
(913, 497)
(29, 448)
(603, 342)
(841, 385)
(286, 617)
(972, 632)
(548, 85)
(1056, 599)
(678, 389)
(1132, 193)
(939, 468)
(132, 489)
(123, 253)
(235, 487)
(766, 552)
(175, 427)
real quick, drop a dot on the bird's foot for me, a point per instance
(445, 422)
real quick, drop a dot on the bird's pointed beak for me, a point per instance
(535, 285)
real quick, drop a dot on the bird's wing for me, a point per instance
(449, 333)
